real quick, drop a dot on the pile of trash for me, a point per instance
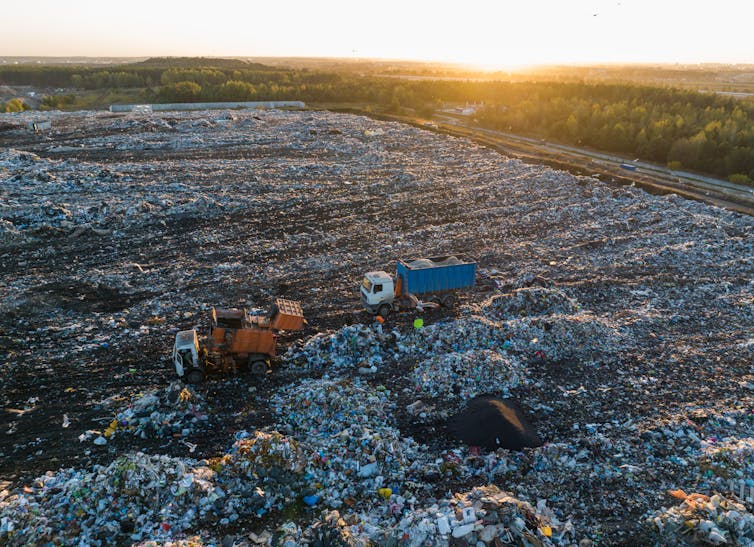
(481, 516)
(331, 529)
(9, 232)
(356, 456)
(703, 520)
(144, 497)
(731, 458)
(136, 497)
(488, 515)
(463, 334)
(581, 336)
(459, 376)
(329, 406)
(553, 337)
(177, 410)
(327, 529)
(545, 323)
(529, 302)
(192, 541)
(353, 347)
(264, 469)
(263, 450)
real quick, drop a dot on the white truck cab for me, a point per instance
(378, 292)
(186, 356)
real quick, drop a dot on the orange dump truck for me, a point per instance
(235, 339)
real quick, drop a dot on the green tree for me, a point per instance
(688, 151)
(235, 90)
(182, 92)
(16, 105)
(56, 102)
(740, 178)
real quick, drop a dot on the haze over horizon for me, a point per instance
(485, 34)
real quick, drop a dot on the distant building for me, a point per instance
(468, 110)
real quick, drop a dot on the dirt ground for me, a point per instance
(167, 216)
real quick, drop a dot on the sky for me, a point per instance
(490, 34)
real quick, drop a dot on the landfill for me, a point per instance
(620, 321)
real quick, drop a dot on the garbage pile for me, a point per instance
(263, 469)
(358, 347)
(485, 514)
(264, 451)
(557, 337)
(529, 302)
(732, 458)
(545, 323)
(459, 376)
(481, 516)
(192, 541)
(553, 337)
(177, 410)
(463, 334)
(9, 232)
(331, 529)
(356, 455)
(136, 497)
(703, 520)
(140, 497)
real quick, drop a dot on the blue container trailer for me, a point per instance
(433, 280)
(437, 274)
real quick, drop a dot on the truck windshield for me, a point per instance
(367, 284)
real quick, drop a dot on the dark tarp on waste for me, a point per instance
(492, 423)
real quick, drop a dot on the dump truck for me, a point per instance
(235, 339)
(421, 283)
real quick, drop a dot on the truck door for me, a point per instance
(178, 361)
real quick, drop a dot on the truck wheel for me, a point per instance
(258, 367)
(384, 311)
(195, 376)
(449, 301)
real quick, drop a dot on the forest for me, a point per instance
(678, 127)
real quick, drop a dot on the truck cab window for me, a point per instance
(378, 288)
